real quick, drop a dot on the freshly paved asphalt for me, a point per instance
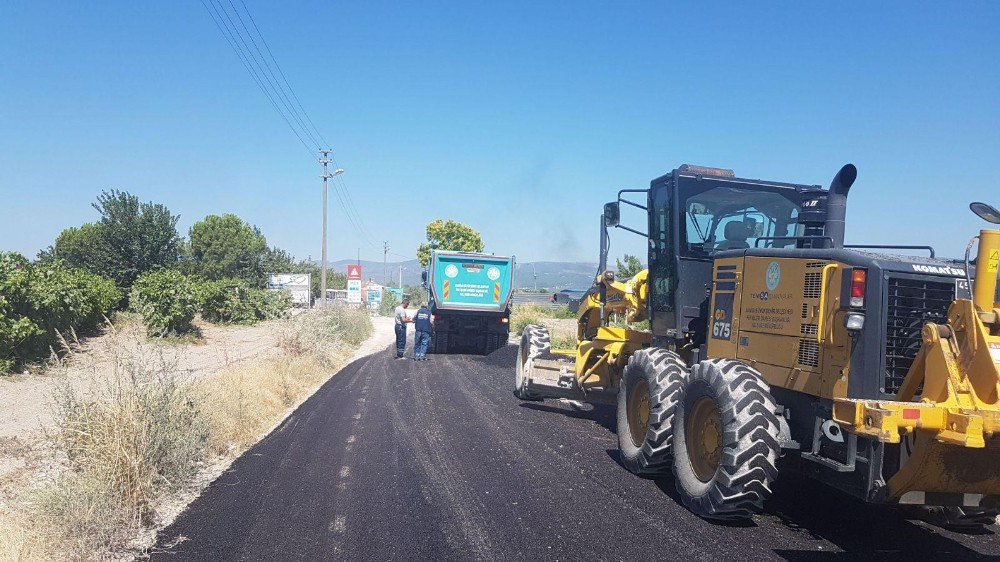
(437, 460)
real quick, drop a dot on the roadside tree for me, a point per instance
(627, 267)
(225, 246)
(449, 235)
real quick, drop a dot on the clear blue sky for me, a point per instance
(519, 118)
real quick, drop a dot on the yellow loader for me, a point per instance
(773, 346)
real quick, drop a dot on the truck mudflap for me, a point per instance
(946, 416)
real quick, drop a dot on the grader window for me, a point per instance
(728, 218)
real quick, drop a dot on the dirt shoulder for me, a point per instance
(25, 412)
(274, 366)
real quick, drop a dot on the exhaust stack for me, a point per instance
(836, 204)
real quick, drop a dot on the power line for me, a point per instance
(270, 76)
(274, 90)
(282, 73)
(224, 30)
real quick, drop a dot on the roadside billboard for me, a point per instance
(298, 284)
(373, 295)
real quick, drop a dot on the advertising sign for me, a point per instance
(354, 290)
(374, 295)
(354, 272)
(298, 284)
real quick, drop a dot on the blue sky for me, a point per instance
(519, 118)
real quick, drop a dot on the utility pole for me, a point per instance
(385, 258)
(401, 278)
(325, 161)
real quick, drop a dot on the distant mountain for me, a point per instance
(555, 275)
(543, 274)
(373, 270)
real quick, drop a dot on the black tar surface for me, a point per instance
(438, 460)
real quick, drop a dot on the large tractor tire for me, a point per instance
(960, 519)
(726, 441)
(647, 400)
(535, 341)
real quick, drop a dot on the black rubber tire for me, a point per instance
(440, 343)
(750, 441)
(492, 343)
(960, 519)
(664, 372)
(535, 341)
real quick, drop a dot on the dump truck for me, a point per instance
(773, 346)
(470, 296)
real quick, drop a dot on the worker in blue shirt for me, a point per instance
(423, 323)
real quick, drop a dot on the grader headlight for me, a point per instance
(854, 321)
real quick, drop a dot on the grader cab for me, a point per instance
(769, 338)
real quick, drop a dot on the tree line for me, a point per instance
(134, 258)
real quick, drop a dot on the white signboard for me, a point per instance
(374, 295)
(354, 290)
(298, 284)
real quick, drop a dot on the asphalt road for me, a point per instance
(398, 459)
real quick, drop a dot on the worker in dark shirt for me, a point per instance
(423, 323)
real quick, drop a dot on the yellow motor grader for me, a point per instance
(875, 373)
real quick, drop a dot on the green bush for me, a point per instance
(233, 301)
(40, 302)
(389, 303)
(167, 301)
(525, 314)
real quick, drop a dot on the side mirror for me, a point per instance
(423, 276)
(612, 214)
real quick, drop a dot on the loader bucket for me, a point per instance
(939, 473)
(946, 416)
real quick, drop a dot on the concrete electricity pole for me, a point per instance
(385, 256)
(325, 160)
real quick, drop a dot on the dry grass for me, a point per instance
(19, 541)
(139, 436)
(245, 400)
(133, 438)
(561, 330)
(562, 339)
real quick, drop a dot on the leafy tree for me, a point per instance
(227, 247)
(132, 238)
(41, 302)
(388, 305)
(232, 301)
(81, 247)
(628, 266)
(276, 260)
(167, 300)
(449, 235)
